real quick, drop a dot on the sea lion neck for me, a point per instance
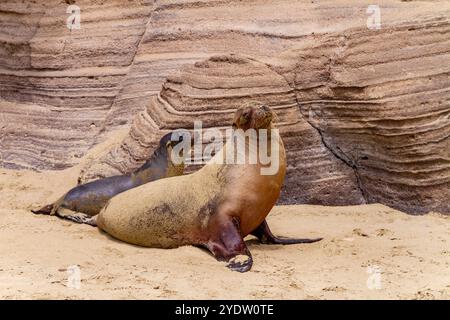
(155, 168)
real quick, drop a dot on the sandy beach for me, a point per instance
(368, 252)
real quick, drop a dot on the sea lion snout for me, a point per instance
(169, 140)
(265, 108)
(263, 117)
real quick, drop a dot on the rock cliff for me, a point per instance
(364, 113)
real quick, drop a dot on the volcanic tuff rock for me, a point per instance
(58, 85)
(364, 113)
(210, 91)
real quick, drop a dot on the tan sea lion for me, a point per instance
(86, 200)
(215, 207)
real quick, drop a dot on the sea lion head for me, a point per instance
(160, 163)
(167, 141)
(166, 144)
(253, 116)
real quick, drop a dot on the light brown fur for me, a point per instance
(214, 207)
(186, 210)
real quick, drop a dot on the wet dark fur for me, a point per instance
(91, 197)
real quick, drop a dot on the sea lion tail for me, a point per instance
(44, 210)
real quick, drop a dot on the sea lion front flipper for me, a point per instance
(78, 217)
(266, 236)
(230, 246)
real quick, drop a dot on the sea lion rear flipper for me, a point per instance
(266, 236)
(50, 209)
(230, 246)
(78, 217)
(44, 210)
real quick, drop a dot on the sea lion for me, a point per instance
(215, 207)
(86, 200)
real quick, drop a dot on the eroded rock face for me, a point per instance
(364, 113)
(210, 91)
(386, 112)
(372, 127)
(57, 85)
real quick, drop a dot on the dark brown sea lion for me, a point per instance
(86, 200)
(215, 207)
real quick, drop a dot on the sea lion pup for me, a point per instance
(215, 207)
(86, 200)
